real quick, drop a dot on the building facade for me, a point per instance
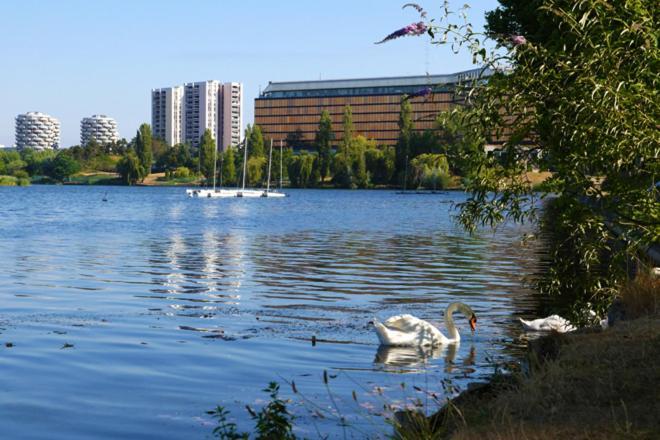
(183, 113)
(37, 130)
(166, 109)
(231, 122)
(285, 108)
(100, 128)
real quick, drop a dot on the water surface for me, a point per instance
(132, 317)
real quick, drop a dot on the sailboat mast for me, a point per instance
(281, 163)
(245, 161)
(270, 161)
(215, 161)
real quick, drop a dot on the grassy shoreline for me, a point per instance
(592, 383)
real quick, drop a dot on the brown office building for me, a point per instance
(285, 107)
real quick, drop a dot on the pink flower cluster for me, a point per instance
(517, 40)
(419, 28)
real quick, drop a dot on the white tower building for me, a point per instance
(200, 110)
(166, 114)
(99, 127)
(37, 130)
(231, 117)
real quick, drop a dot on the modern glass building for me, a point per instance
(287, 107)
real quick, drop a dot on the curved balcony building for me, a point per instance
(37, 130)
(99, 127)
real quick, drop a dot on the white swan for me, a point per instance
(407, 330)
(551, 323)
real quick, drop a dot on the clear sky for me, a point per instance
(75, 58)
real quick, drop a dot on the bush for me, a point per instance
(181, 172)
(21, 174)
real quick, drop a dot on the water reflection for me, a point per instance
(412, 359)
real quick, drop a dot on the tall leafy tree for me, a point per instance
(229, 167)
(207, 155)
(405, 135)
(347, 122)
(129, 167)
(143, 149)
(256, 140)
(324, 137)
(63, 166)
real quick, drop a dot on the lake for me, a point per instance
(133, 317)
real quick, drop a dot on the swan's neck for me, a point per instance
(449, 322)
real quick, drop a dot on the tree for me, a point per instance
(129, 167)
(430, 171)
(255, 170)
(347, 122)
(207, 155)
(63, 166)
(324, 137)
(301, 170)
(403, 144)
(256, 142)
(296, 140)
(577, 95)
(228, 167)
(143, 150)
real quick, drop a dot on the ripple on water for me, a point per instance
(175, 305)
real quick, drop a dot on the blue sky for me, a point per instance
(75, 58)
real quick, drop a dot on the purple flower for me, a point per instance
(517, 40)
(412, 29)
(418, 8)
(425, 92)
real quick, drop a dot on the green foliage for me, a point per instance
(403, 151)
(63, 166)
(431, 171)
(324, 137)
(301, 170)
(207, 155)
(272, 422)
(256, 141)
(255, 170)
(347, 122)
(583, 88)
(37, 161)
(296, 140)
(181, 172)
(228, 167)
(175, 157)
(129, 167)
(380, 164)
(143, 150)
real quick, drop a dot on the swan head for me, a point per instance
(473, 322)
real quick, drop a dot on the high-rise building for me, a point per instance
(200, 110)
(294, 108)
(183, 113)
(100, 128)
(166, 109)
(37, 130)
(231, 121)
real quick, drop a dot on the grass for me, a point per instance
(586, 385)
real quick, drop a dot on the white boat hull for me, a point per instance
(229, 193)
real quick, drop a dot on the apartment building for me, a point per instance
(37, 130)
(101, 128)
(183, 113)
(166, 108)
(231, 121)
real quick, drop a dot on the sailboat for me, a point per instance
(268, 192)
(212, 193)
